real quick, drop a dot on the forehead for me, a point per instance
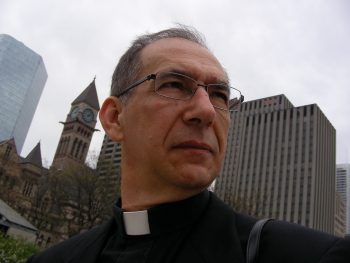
(181, 54)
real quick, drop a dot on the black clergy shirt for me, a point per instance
(201, 229)
(169, 225)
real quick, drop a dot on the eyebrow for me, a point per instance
(179, 71)
(223, 87)
(188, 74)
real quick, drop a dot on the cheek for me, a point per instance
(164, 114)
(222, 133)
(155, 123)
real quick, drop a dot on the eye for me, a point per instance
(219, 93)
(174, 84)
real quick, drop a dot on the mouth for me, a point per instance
(194, 145)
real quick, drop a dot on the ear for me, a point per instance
(110, 116)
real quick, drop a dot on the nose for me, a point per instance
(199, 110)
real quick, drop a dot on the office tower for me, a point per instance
(280, 159)
(110, 156)
(339, 216)
(108, 165)
(343, 188)
(78, 129)
(22, 79)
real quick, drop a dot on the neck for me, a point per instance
(136, 197)
(140, 191)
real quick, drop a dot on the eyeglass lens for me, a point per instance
(181, 87)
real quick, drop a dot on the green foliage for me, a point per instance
(15, 250)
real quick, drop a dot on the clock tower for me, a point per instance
(78, 129)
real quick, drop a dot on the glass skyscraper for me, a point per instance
(22, 79)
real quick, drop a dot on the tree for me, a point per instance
(78, 196)
(250, 204)
(40, 203)
(61, 202)
(14, 250)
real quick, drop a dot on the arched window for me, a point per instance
(78, 149)
(74, 145)
(59, 147)
(83, 151)
(66, 146)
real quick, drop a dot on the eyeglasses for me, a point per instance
(177, 86)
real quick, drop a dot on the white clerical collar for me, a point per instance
(136, 223)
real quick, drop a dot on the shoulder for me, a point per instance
(226, 218)
(220, 233)
(281, 241)
(91, 240)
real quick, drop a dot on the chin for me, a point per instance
(195, 179)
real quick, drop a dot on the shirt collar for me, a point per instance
(136, 223)
(162, 218)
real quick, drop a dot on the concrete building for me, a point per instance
(343, 188)
(340, 216)
(108, 165)
(22, 79)
(280, 162)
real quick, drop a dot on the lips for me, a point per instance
(196, 145)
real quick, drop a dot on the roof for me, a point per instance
(89, 96)
(9, 215)
(34, 156)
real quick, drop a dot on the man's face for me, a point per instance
(171, 144)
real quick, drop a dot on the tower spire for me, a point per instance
(34, 156)
(89, 96)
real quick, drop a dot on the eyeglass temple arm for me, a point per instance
(139, 82)
(235, 102)
(241, 98)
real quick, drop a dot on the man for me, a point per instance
(170, 110)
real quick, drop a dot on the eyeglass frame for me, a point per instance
(232, 103)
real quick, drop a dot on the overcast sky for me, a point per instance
(300, 48)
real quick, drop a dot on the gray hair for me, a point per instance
(130, 64)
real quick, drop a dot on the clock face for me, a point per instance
(88, 115)
(74, 113)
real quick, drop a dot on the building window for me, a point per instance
(74, 145)
(78, 149)
(83, 151)
(27, 189)
(7, 151)
(59, 148)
